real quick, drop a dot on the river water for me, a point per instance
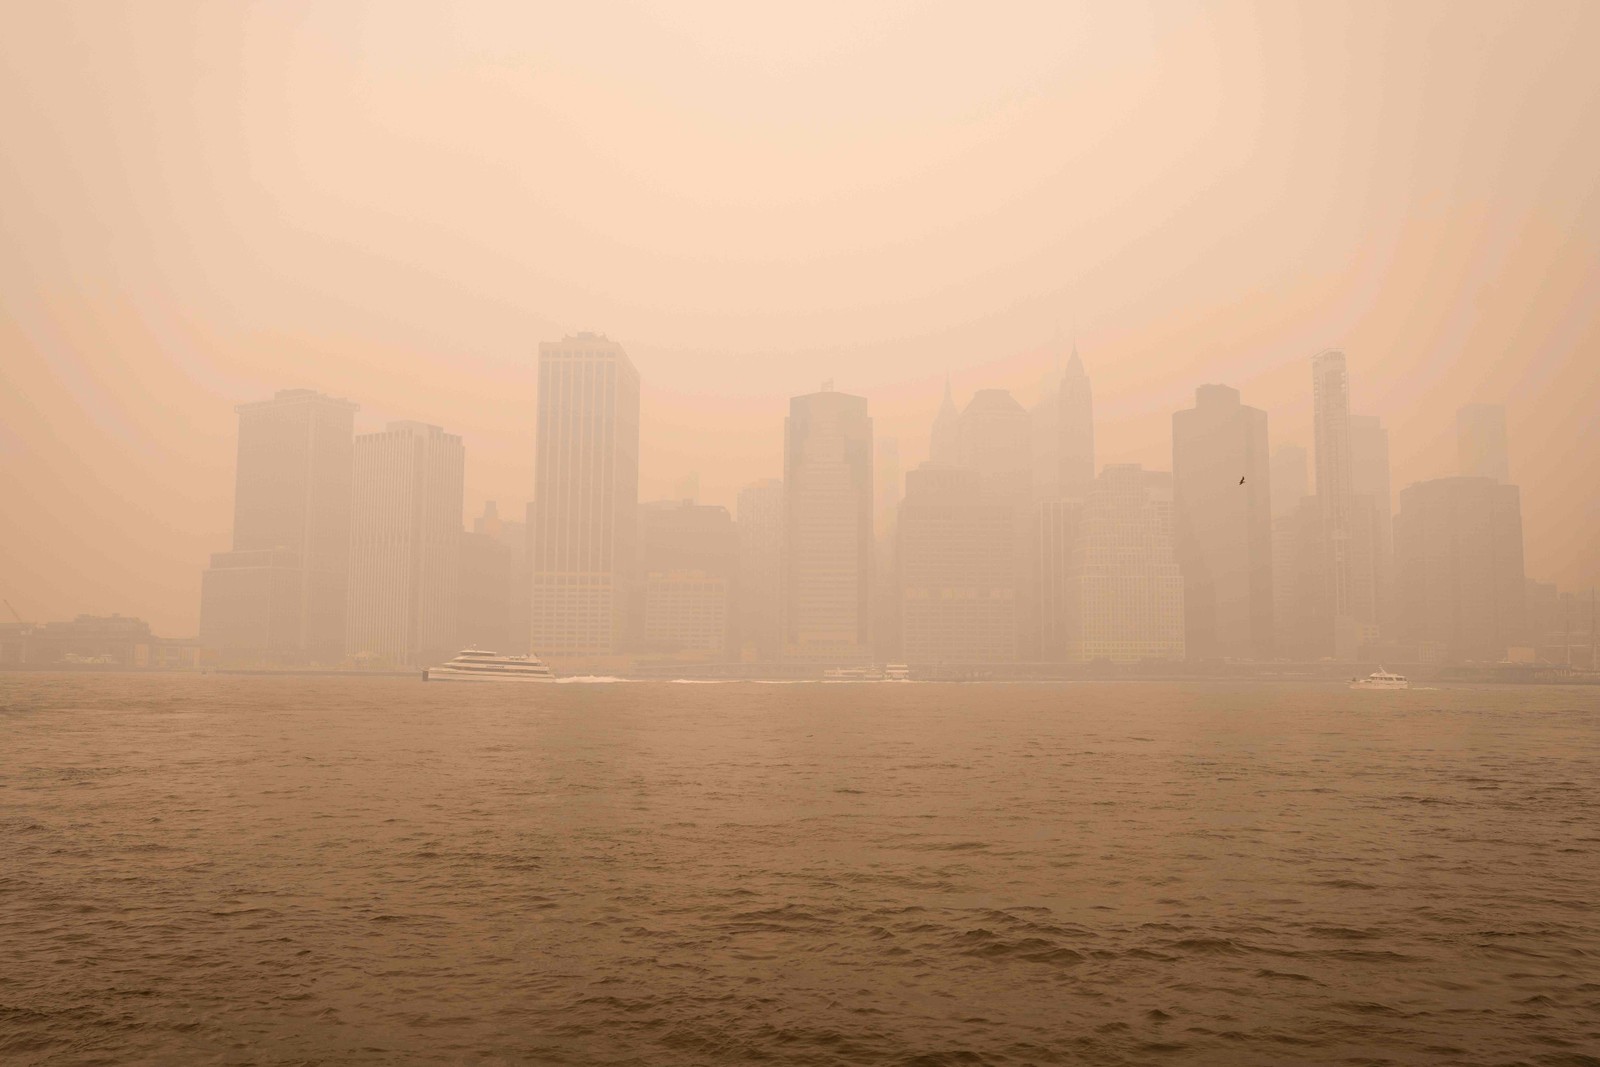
(230, 870)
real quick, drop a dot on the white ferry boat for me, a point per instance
(477, 665)
(891, 672)
(1380, 679)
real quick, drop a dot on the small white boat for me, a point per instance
(478, 665)
(1380, 679)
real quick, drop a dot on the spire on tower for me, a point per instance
(1074, 364)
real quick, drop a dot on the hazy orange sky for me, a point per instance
(396, 202)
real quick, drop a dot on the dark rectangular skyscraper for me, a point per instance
(586, 498)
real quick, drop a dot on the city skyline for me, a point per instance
(990, 555)
(1191, 205)
(991, 436)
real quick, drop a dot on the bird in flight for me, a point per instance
(1241, 481)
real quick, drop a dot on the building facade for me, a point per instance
(828, 543)
(1461, 590)
(1222, 499)
(1373, 500)
(483, 613)
(584, 521)
(1350, 600)
(405, 546)
(761, 533)
(292, 502)
(1125, 587)
(957, 584)
(1056, 531)
(1063, 435)
(689, 563)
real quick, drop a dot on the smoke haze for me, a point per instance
(397, 203)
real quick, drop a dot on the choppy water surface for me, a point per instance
(277, 870)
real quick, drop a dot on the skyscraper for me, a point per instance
(1125, 588)
(1063, 435)
(1346, 541)
(284, 582)
(1461, 588)
(1076, 454)
(761, 533)
(1056, 531)
(405, 545)
(483, 615)
(1374, 506)
(1481, 442)
(586, 483)
(944, 445)
(958, 592)
(688, 567)
(496, 543)
(1291, 478)
(995, 440)
(1294, 565)
(1223, 525)
(888, 482)
(827, 594)
(995, 435)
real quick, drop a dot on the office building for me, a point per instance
(405, 546)
(1125, 588)
(1299, 584)
(761, 534)
(1063, 435)
(483, 615)
(828, 543)
(1222, 500)
(584, 525)
(291, 513)
(958, 594)
(1374, 506)
(995, 435)
(1056, 532)
(1350, 600)
(252, 607)
(1291, 478)
(1460, 586)
(689, 566)
(496, 546)
(995, 439)
(888, 482)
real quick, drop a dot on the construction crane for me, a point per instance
(14, 614)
